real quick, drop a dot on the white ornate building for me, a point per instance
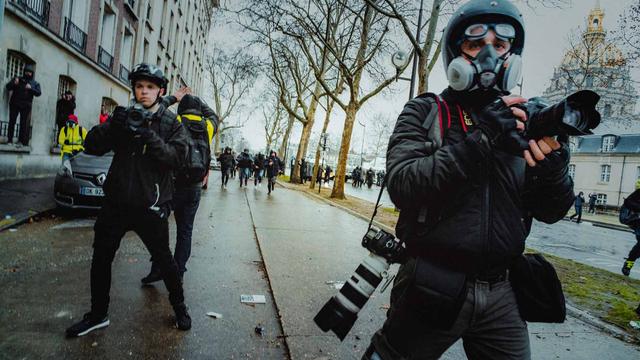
(592, 62)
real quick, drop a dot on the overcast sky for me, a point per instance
(546, 41)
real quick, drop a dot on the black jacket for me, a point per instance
(141, 175)
(226, 161)
(21, 96)
(244, 160)
(259, 161)
(64, 108)
(463, 204)
(273, 164)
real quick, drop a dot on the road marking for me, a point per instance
(78, 223)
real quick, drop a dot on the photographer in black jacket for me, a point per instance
(148, 144)
(467, 195)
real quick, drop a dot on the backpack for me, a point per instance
(628, 216)
(199, 152)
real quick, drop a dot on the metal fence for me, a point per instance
(35, 9)
(74, 36)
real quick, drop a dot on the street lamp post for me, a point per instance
(399, 59)
(364, 128)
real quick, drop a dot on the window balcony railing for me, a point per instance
(105, 60)
(74, 36)
(36, 9)
(124, 73)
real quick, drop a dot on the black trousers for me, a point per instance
(23, 133)
(153, 229)
(634, 254)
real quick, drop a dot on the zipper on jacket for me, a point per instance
(486, 211)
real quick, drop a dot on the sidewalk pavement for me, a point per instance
(307, 243)
(23, 198)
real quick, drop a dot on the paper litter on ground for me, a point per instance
(253, 299)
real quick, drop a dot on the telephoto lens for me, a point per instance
(341, 311)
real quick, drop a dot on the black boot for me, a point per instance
(183, 320)
(154, 275)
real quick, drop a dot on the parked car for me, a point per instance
(79, 181)
(214, 164)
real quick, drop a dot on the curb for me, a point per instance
(601, 325)
(571, 310)
(19, 219)
(604, 225)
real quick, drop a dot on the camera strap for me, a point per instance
(375, 208)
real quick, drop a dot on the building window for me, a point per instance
(572, 170)
(601, 200)
(65, 83)
(109, 104)
(608, 142)
(15, 63)
(607, 110)
(573, 144)
(605, 173)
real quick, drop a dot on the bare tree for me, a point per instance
(231, 75)
(382, 126)
(628, 32)
(356, 43)
(273, 116)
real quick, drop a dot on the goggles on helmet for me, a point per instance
(479, 31)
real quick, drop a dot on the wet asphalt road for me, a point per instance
(304, 244)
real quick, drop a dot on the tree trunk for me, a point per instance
(216, 144)
(285, 139)
(341, 170)
(306, 133)
(316, 163)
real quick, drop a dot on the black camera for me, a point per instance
(136, 116)
(341, 311)
(575, 115)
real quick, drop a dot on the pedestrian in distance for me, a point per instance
(577, 204)
(201, 123)
(273, 166)
(245, 164)
(65, 106)
(327, 174)
(71, 138)
(233, 170)
(258, 169)
(227, 164)
(22, 89)
(303, 171)
(148, 143)
(468, 201)
(592, 203)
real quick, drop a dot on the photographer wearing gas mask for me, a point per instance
(148, 144)
(468, 183)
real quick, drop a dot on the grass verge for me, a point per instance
(606, 295)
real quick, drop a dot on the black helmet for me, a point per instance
(190, 105)
(148, 72)
(480, 11)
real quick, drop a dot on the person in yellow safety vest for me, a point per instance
(71, 138)
(189, 179)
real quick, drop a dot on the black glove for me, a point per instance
(143, 133)
(119, 118)
(496, 121)
(553, 165)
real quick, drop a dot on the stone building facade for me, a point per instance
(89, 47)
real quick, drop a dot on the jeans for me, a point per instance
(225, 175)
(245, 173)
(489, 324)
(257, 176)
(578, 210)
(152, 228)
(23, 133)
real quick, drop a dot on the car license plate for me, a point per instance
(91, 191)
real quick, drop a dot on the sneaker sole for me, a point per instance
(95, 327)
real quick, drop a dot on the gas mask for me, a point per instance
(485, 71)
